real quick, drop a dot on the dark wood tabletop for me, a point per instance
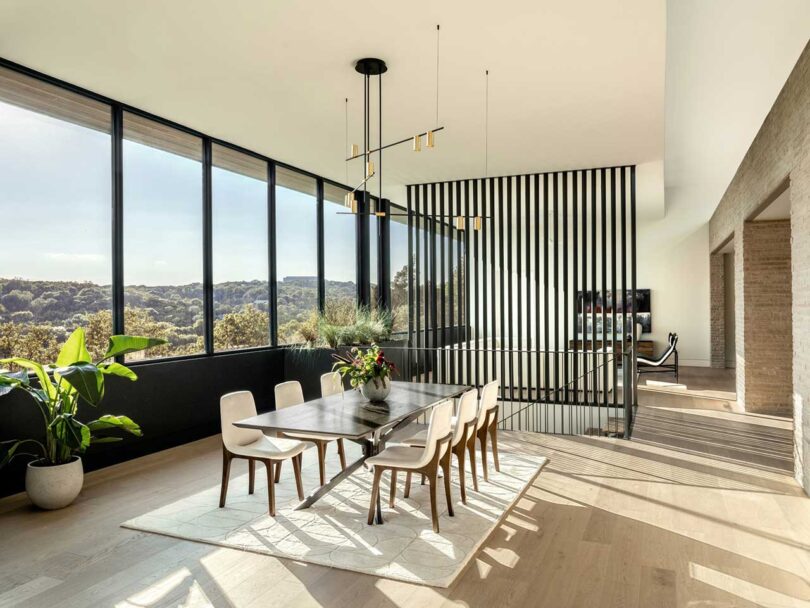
(350, 415)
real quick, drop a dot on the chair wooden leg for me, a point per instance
(271, 487)
(407, 485)
(423, 479)
(226, 475)
(493, 437)
(446, 468)
(375, 490)
(482, 438)
(473, 470)
(393, 494)
(321, 446)
(341, 453)
(299, 485)
(461, 482)
(434, 513)
(278, 471)
(251, 475)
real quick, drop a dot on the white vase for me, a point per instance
(376, 389)
(54, 487)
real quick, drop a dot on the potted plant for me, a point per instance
(368, 371)
(54, 478)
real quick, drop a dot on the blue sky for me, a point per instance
(55, 177)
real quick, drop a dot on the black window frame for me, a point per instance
(117, 110)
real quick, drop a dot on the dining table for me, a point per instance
(351, 416)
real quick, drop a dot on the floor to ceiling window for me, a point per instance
(296, 256)
(56, 264)
(400, 268)
(163, 268)
(340, 254)
(55, 200)
(240, 254)
(373, 260)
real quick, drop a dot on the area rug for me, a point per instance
(333, 532)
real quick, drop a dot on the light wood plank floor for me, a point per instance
(607, 523)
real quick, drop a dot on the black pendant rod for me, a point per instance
(379, 139)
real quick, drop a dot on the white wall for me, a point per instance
(675, 266)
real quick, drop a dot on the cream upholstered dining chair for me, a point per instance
(487, 424)
(253, 445)
(331, 384)
(425, 460)
(290, 393)
(463, 424)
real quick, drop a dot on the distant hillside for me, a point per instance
(67, 302)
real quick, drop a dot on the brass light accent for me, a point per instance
(370, 168)
(375, 209)
(430, 140)
(355, 150)
(354, 205)
(460, 222)
(348, 199)
(477, 222)
(417, 143)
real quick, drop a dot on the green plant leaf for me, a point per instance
(94, 440)
(116, 369)
(124, 423)
(70, 432)
(73, 350)
(43, 377)
(121, 345)
(10, 450)
(9, 381)
(86, 378)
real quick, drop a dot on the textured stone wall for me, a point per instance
(717, 317)
(739, 318)
(768, 318)
(779, 152)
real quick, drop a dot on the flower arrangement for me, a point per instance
(362, 367)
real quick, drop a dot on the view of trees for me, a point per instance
(37, 316)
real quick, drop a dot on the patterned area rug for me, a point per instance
(333, 532)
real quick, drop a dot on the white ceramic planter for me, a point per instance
(54, 487)
(376, 392)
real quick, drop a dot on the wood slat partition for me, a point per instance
(515, 301)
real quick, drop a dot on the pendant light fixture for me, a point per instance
(370, 67)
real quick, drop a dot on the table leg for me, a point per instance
(373, 448)
(325, 489)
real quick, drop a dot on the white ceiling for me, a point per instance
(727, 61)
(574, 83)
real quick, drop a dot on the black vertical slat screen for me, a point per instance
(467, 292)
(444, 231)
(524, 299)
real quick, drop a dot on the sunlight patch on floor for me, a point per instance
(762, 596)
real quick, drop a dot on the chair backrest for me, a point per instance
(331, 384)
(439, 427)
(489, 399)
(233, 407)
(467, 412)
(288, 393)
